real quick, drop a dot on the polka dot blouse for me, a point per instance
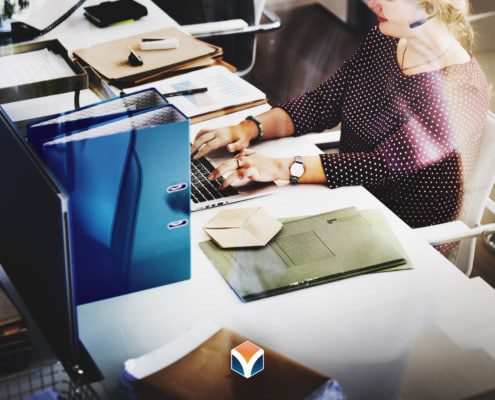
(410, 140)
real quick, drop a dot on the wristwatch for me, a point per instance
(296, 169)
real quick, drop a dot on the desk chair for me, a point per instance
(239, 45)
(477, 199)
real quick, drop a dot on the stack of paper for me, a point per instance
(34, 66)
(226, 93)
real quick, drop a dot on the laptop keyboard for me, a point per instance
(202, 189)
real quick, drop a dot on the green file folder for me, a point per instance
(307, 252)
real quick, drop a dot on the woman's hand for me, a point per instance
(254, 167)
(236, 138)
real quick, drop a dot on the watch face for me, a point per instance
(297, 169)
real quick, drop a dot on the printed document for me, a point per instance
(34, 66)
(225, 89)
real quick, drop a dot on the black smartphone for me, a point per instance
(114, 12)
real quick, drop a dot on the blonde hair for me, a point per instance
(455, 14)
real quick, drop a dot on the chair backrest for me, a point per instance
(238, 50)
(477, 192)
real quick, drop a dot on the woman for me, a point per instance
(412, 102)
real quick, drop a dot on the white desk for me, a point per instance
(358, 330)
(364, 331)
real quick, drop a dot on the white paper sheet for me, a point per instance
(49, 105)
(225, 89)
(34, 66)
(169, 353)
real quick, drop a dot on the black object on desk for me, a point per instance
(134, 59)
(113, 12)
(22, 32)
(185, 92)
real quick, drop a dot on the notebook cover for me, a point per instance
(110, 58)
(111, 12)
(202, 62)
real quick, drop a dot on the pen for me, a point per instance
(185, 92)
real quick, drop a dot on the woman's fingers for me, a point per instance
(203, 132)
(245, 153)
(224, 168)
(209, 146)
(233, 147)
(231, 136)
(234, 176)
(201, 140)
(252, 174)
(239, 145)
(247, 164)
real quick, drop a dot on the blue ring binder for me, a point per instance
(118, 159)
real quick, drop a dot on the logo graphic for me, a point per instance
(247, 359)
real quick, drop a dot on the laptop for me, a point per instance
(205, 193)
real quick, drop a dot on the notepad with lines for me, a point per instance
(309, 251)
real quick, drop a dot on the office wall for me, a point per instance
(288, 3)
(337, 7)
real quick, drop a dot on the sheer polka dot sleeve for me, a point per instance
(321, 108)
(427, 158)
(419, 143)
(411, 140)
